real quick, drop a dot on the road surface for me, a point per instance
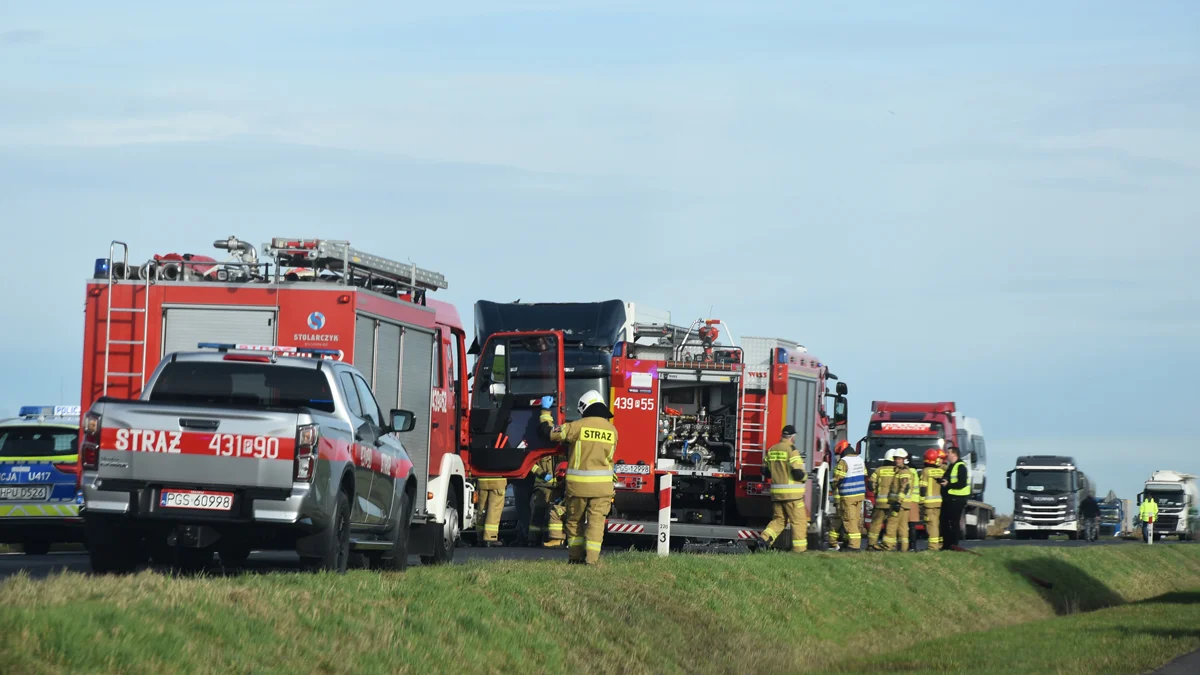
(42, 565)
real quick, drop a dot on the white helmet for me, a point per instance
(900, 452)
(588, 399)
(887, 456)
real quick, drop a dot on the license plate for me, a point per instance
(25, 493)
(196, 499)
(633, 469)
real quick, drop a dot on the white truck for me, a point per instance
(1178, 500)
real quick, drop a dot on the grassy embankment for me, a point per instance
(637, 613)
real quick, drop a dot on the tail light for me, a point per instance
(71, 467)
(89, 449)
(308, 437)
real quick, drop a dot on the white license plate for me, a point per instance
(25, 493)
(634, 469)
(196, 499)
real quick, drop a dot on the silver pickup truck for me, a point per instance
(231, 451)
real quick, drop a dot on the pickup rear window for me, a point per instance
(243, 384)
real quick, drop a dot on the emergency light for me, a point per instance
(286, 351)
(49, 411)
(101, 268)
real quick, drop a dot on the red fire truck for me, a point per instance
(307, 293)
(683, 404)
(917, 427)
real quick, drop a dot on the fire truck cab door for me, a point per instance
(512, 374)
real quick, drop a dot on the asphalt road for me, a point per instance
(42, 565)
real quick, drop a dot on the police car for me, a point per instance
(39, 500)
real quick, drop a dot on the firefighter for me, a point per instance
(881, 484)
(899, 498)
(557, 510)
(592, 441)
(543, 488)
(491, 506)
(849, 490)
(956, 488)
(1148, 513)
(931, 497)
(785, 466)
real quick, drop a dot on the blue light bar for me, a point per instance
(50, 411)
(282, 351)
(34, 410)
(101, 269)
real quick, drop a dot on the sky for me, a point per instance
(991, 204)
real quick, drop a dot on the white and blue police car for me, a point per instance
(39, 465)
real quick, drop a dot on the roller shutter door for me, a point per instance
(416, 370)
(185, 327)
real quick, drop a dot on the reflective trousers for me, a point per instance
(878, 520)
(555, 529)
(933, 526)
(540, 511)
(491, 504)
(789, 513)
(849, 513)
(584, 527)
(896, 535)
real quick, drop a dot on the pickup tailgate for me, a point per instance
(197, 446)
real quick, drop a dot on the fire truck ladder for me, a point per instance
(133, 311)
(352, 263)
(754, 434)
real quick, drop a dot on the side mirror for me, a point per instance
(858, 447)
(839, 409)
(1008, 480)
(842, 389)
(402, 421)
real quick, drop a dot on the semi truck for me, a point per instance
(917, 427)
(301, 295)
(1115, 516)
(1047, 491)
(685, 403)
(1177, 498)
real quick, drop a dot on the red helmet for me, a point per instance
(560, 470)
(842, 446)
(933, 456)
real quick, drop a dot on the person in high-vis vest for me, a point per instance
(881, 484)
(557, 509)
(931, 497)
(899, 498)
(956, 489)
(591, 443)
(785, 466)
(1148, 513)
(543, 488)
(849, 491)
(491, 506)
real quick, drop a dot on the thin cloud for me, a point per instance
(21, 37)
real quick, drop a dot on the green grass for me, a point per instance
(636, 613)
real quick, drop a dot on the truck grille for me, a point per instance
(1166, 523)
(1050, 514)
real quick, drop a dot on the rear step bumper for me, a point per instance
(138, 500)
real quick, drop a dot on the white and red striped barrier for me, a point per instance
(664, 514)
(626, 528)
(747, 534)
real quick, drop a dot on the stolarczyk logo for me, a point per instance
(316, 321)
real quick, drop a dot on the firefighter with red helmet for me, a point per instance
(785, 466)
(881, 484)
(899, 498)
(849, 491)
(557, 510)
(931, 496)
(543, 488)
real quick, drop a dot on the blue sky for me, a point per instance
(994, 205)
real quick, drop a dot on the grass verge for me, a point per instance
(637, 613)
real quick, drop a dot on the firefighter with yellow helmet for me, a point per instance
(591, 442)
(849, 491)
(785, 466)
(881, 485)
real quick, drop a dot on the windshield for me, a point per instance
(226, 383)
(1169, 498)
(1042, 481)
(577, 386)
(915, 446)
(37, 441)
(513, 366)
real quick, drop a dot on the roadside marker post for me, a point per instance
(664, 514)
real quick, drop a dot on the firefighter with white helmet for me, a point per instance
(881, 485)
(899, 499)
(591, 443)
(785, 466)
(849, 491)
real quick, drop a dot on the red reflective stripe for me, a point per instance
(240, 446)
(345, 451)
(664, 499)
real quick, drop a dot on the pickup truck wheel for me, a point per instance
(397, 558)
(109, 548)
(36, 547)
(335, 553)
(443, 549)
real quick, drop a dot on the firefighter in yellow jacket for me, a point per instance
(591, 443)
(931, 496)
(543, 489)
(899, 501)
(557, 509)
(785, 465)
(881, 485)
(491, 506)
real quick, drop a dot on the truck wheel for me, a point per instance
(335, 544)
(36, 547)
(397, 558)
(1072, 536)
(109, 549)
(443, 549)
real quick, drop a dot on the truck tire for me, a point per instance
(109, 548)
(36, 547)
(397, 558)
(443, 549)
(1072, 536)
(335, 540)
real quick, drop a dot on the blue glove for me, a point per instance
(548, 478)
(547, 402)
